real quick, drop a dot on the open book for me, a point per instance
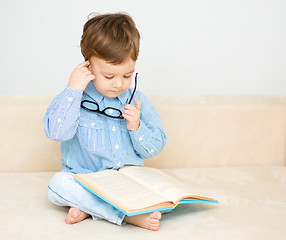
(137, 190)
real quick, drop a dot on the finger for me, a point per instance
(137, 103)
(129, 113)
(90, 77)
(130, 107)
(128, 117)
(83, 64)
(85, 70)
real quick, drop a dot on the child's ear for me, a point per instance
(86, 59)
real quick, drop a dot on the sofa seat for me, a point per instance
(252, 206)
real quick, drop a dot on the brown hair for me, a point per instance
(112, 37)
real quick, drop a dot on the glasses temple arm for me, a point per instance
(134, 89)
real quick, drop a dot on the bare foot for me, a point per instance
(149, 221)
(75, 215)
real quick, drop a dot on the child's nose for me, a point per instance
(117, 82)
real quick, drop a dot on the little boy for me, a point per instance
(99, 128)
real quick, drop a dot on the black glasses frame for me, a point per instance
(108, 108)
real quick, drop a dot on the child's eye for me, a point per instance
(108, 77)
(126, 77)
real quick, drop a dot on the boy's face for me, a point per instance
(111, 80)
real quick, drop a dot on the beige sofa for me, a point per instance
(229, 148)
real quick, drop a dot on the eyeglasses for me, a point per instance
(109, 111)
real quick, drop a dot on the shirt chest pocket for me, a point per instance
(91, 135)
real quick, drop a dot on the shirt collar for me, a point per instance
(123, 97)
(98, 97)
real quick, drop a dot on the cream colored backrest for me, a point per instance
(202, 132)
(24, 146)
(222, 131)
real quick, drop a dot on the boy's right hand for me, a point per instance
(81, 76)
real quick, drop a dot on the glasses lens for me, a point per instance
(112, 112)
(90, 105)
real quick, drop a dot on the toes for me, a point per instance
(74, 213)
(68, 220)
(149, 221)
(156, 215)
(154, 227)
(154, 221)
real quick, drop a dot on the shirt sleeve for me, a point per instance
(150, 138)
(61, 118)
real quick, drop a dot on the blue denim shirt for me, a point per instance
(92, 142)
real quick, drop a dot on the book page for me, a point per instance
(169, 187)
(120, 190)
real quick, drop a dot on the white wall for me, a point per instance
(217, 47)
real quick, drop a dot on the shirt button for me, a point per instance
(116, 146)
(140, 138)
(118, 164)
(59, 120)
(92, 124)
(70, 99)
(113, 128)
(152, 150)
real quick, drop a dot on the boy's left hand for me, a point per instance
(132, 115)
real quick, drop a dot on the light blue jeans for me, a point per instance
(63, 190)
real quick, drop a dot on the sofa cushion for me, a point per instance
(252, 206)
